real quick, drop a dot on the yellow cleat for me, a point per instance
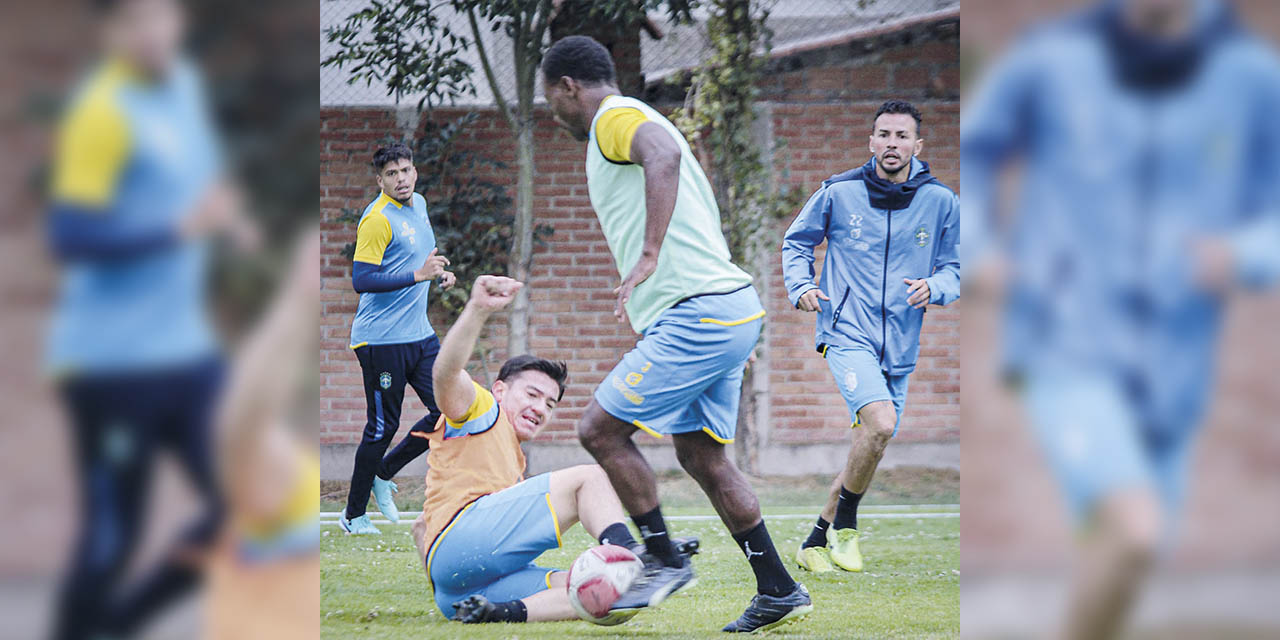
(815, 559)
(844, 548)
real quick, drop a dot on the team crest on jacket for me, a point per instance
(384, 380)
(922, 237)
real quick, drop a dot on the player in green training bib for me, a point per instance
(699, 316)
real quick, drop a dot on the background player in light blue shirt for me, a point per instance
(1148, 142)
(395, 261)
(892, 231)
(136, 187)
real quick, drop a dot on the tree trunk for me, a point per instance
(522, 232)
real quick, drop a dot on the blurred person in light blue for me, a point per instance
(136, 186)
(1149, 146)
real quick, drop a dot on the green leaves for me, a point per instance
(408, 46)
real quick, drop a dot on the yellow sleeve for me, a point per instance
(92, 149)
(481, 406)
(615, 130)
(372, 237)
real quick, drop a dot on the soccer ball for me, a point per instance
(597, 578)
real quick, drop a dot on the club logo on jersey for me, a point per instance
(922, 237)
(384, 380)
(850, 380)
(408, 232)
(855, 227)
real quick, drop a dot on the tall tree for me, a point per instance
(413, 47)
(719, 117)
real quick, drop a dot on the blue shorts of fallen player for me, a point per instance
(490, 546)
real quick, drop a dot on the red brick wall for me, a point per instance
(822, 131)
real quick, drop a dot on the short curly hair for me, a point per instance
(899, 106)
(580, 58)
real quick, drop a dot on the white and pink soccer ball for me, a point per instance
(598, 577)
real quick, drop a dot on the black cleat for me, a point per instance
(655, 584)
(473, 609)
(683, 546)
(766, 612)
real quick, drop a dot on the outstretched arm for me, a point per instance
(454, 390)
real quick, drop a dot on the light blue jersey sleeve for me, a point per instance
(804, 235)
(944, 284)
(995, 127)
(1256, 243)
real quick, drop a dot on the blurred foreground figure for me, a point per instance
(264, 574)
(1149, 147)
(136, 188)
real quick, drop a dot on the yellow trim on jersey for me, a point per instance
(302, 506)
(431, 553)
(646, 429)
(548, 577)
(615, 129)
(555, 521)
(372, 237)
(480, 405)
(735, 322)
(716, 437)
(93, 144)
(357, 346)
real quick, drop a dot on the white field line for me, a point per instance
(407, 517)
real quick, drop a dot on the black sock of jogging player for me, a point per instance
(818, 536)
(771, 577)
(617, 533)
(847, 510)
(654, 531)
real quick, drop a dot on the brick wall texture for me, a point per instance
(819, 104)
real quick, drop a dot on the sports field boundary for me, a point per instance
(896, 511)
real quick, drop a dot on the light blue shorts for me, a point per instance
(1098, 440)
(861, 381)
(685, 374)
(490, 546)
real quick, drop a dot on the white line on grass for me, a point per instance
(331, 517)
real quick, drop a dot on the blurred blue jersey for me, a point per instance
(134, 156)
(1131, 152)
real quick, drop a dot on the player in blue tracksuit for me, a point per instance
(892, 231)
(1149, 154)
(394, 263)
(136, 187)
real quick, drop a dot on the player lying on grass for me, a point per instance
(483, 524)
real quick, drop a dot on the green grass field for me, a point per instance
(374, 587)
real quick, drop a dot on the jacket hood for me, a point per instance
(1146, 63)
(883, 193)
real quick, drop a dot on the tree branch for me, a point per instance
(540, 27)
(498, 98)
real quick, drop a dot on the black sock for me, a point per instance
(617, 533)
(817, 537)
(847, 510)
(654, 531)
(513, 611)
(771, 577)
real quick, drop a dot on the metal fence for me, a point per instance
(793, 23)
